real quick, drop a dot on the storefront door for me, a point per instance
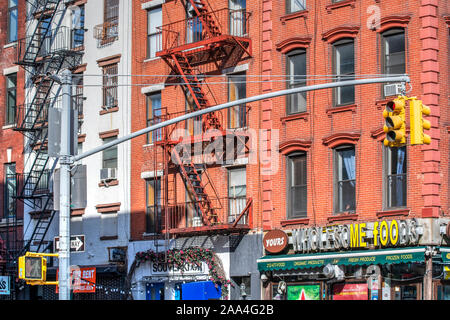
(154, 291)
(406, 291)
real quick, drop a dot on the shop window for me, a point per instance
(395, 177)
(295, 5)
(237, 193)
(345, 179)
(12, 20)
(344, 69)
(154, 35)
(296, 185)
(237, 117)
(10, 190)
(443, 292)
(11, 98)
(153, 212)
(154, 113)
(296, 71)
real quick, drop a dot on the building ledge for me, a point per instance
(340, 4)
(338, 109)
(304, 221)
(343, 217)
(393, 213)
(294, 15)
(298, 116)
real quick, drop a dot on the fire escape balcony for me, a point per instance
(227, 29)
(234, 216)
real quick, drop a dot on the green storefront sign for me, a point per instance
(382, 256)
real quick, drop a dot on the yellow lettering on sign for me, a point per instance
(384, 235)
(354, 230)
(362, 235)
(375, 233)
(393, 240)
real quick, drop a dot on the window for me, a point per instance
(12, 20)
(108, 225)
(77, 94)
(395, 177)
(11, 97)
(238, 17)
(296, 186)
(154, 20)
(110, 155)
(110, 20)
(193, 125)
(237, 193)
(194, 26)
(393, 51)
(345, 179)
(110, 86)
(78, 18)
(296, 71)
(344, 68)
(295, 5)
(153, 116)
(237, 117)
(10, 190)
(153, 199)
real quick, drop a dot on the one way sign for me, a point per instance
(76, 244)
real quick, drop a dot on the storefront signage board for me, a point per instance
(275, 241)
(169, 269)
(4, 285)
(303, 292)
(350, 291)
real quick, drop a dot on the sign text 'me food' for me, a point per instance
(359, 235)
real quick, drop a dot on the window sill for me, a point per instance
(333, 110)
(9, 45)
(107, 184)
(342, 216)
(340, 4)
(152, 59)
(108, 110)
(105, 238)
(393, 212)
(294, 15)
(9, 126)
(297, 116)
(77, 212)
(289, 222)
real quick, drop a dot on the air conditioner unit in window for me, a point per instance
(393, 89)
(107, 174)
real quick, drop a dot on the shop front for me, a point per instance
(381, 260)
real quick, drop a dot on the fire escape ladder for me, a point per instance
(33, 48)
(207, 19)
(192, 84)
(194, 185)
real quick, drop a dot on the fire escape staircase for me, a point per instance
(32, 120)
(221, 51)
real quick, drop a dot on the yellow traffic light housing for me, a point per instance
(395, 122)
(33, 268)
(417, 123)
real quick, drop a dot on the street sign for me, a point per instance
(76, 243)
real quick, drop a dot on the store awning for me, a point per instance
(368, 257)
(445, 254)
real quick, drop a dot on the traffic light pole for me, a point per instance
(64, 200)
(66, 160)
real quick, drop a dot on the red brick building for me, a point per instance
(11, 142)
(334, 169)
(190, 55)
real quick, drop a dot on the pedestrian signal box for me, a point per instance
(33, 268)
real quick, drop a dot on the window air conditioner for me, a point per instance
(108, 174)
(392, 89)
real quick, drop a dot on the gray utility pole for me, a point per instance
(64, 200)
(66, 160)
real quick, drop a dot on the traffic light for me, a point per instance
(395, 122)
(32, 267)
(417, 123)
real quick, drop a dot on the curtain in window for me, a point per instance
(400, 176)
(348, 157)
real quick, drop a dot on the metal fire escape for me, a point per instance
(205, 43)
(45, 51)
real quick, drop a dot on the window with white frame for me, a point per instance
(345, 179)
(154, 35)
